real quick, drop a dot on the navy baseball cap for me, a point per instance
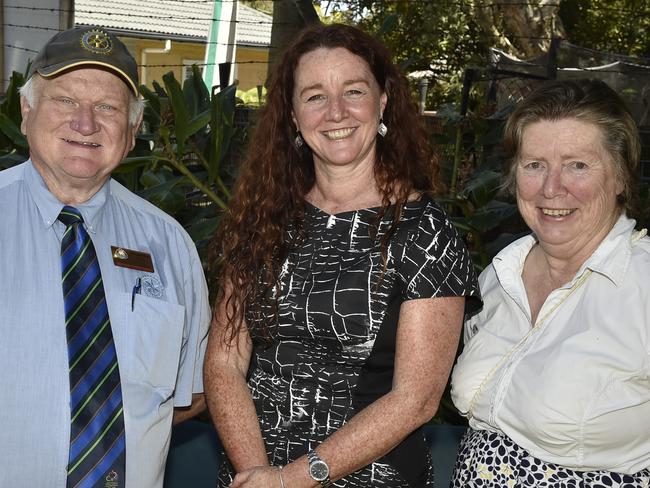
(86, 46)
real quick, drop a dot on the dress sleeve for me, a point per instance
(436, 262)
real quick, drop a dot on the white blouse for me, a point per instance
(574, 388)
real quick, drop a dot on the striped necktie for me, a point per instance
(97, 447)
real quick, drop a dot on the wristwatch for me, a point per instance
(318, 469)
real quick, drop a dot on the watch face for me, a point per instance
(319, 470)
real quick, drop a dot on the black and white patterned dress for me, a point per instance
(334, 348)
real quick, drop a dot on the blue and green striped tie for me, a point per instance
(97, 447)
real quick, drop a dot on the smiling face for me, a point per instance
(337, 105)
(78, 130)
(567, 184)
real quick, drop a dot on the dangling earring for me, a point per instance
(298, 141)
(382, 130)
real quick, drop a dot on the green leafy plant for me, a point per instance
(184, 157)
(476, 202)
(13, 144)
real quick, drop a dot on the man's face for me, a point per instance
(78, 130)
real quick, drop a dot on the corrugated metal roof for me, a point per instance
(171, 18)
(253, 27)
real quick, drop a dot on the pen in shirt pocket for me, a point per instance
(136, 290)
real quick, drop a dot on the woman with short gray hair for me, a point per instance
(555, 374)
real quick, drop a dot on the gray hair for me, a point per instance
(587, 100)
(30, 91)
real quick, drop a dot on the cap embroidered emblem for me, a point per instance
(96, 41)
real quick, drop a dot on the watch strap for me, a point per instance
(312, 457)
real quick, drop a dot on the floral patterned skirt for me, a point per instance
(493, 460)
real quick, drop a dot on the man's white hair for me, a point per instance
(30, 90)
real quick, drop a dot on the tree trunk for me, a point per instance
(523, 29)
(289, 17)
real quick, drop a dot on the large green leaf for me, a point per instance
(196, 93)
(493, 247)
(133, 163)
(197, 123)
(154, 109)
(153, 178)
(13, 144)
(12, 131)
(179, 107)
(492, 215)
(462, 225)
(502, 114)
(163, 190)
(152, 99)
(11, 159)
(482, 188)
(222, 126)
(159, 90)
(202, 230)
(183, 101)
(491, 136)
(11, 103)
(389, 24)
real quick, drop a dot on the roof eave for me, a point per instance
(153, 35)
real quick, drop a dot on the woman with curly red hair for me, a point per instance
(343, 284)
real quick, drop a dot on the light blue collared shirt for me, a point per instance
(160, 343)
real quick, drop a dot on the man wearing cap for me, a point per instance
(103, 303)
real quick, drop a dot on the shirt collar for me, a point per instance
(509, 263)
(50, 207)
(610, 259)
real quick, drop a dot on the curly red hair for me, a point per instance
(250, 243)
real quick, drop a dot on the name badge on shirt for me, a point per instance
(128, 258)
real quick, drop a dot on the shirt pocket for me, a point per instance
(153, 339)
